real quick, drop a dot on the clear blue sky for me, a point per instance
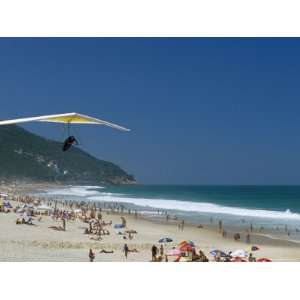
(207, 111)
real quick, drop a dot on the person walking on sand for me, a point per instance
(123, 222)
(91, 255)
(154, 252)
(182, 225)
(248, 238)
(126, 250)
(161, 250)
(220, 225)
(64, 223)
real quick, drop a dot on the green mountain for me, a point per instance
(29, 157)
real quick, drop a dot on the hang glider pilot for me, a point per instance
(68, 143)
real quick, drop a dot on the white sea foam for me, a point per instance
(76, 191)
(188, 206)
(200, 207)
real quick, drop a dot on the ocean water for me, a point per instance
(262, 205)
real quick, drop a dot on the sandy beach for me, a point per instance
(40, 242)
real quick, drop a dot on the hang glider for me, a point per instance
(68, 118)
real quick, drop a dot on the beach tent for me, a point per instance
(239, 253)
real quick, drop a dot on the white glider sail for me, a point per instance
(68, 118)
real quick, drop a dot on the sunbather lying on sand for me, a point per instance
(131, 231)
(106, 251)
(58, 228)
(133, 250)
(98, 238)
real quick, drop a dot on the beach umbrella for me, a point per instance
(216, 252)
(239, 253)
(238, 259)
(254, 248)
(264, 259)
(186, 248)
(191, 243)
(174, 252)
(182, 243)
(165, 240)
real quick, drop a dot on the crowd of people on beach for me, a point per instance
(31, 209)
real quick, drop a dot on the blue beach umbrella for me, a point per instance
(254, 248)
(215, 252)
(165, 240)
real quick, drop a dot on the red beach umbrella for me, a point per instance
(264, 259)
(186, 248)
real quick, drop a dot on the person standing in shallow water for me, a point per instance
(220, 225)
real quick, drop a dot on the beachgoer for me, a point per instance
(248, 238)
(126, 250)
(106, 251)
(251, 258)
(220, 225)
(123, 222)
(236, 236)
(161, 250)
(224, 233)
(91, 255)
(64, 224)
(154, 252)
